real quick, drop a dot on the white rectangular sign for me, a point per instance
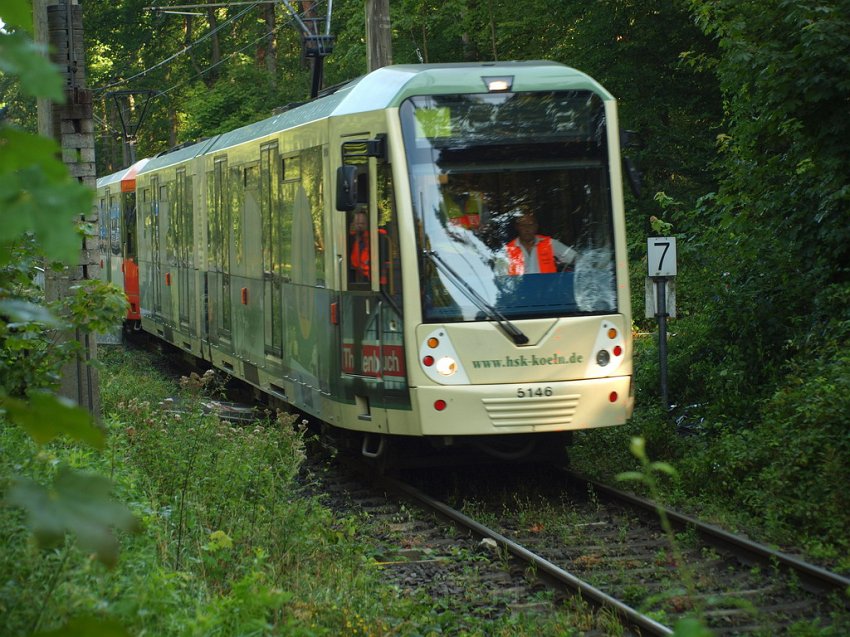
(652, 298)
(661, 256)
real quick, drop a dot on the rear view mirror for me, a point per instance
(346, 188)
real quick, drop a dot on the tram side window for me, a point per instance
(181, 218)
(218, 257)
(234, 229)
(359, 246)
(269, 208)
(388, 241)
(129, 205)
(103, 221)
(361, 262)
(114, 230)
(313, 190)
(291, 174)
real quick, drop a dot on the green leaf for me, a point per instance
(38, 195)
(664, 467)
(638, 447)
(75, 503)
(20, 56)
(22, 149)
(46, 416)
(24, 312)
(17, 13)
(87, 627)
(630, 475)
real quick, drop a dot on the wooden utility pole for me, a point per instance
(379, 48)
(59, 23)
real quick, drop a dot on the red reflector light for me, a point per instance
(440, 405)
(612, 397)
(428, 361)
(618, 350)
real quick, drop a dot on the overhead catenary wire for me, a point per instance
(222, 60)
(182, 51)
(233, 54)
(294, 18)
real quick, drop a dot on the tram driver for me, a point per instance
(533, 253)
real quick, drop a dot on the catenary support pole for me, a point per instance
(378, 34)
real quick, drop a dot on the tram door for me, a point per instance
(217, 319)
(156, 255)
(372, 362)
(270, 178)
(183, 231)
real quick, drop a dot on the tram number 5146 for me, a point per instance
(533, 392)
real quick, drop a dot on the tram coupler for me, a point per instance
(369, 449)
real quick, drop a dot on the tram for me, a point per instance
(359, 257)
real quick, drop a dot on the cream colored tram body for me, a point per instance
(422, 326)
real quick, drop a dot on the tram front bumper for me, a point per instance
(523, 408)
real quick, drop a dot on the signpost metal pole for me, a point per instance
(661, 315)
(661, 263)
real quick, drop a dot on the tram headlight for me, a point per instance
(498, 84)
(603, 357)
(446, 366)
(440, 360)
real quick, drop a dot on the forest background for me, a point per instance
(741, 108)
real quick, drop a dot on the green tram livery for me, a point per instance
(430, 251)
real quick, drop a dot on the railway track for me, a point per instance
(605, 546)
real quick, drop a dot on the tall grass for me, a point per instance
(229, 543)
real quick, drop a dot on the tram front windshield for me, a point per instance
(512, 204)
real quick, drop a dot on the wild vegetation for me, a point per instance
(741, 111)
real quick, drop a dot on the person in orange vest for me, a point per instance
(359, 259)
(532, 253)
(464, 210)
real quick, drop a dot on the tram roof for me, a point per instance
(388, 87)
(125, 173)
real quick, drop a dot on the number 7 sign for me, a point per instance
(661, 256)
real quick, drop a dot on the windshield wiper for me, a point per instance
(492, 313)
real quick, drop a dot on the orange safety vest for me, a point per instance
(360, 262)
(545, 256)
(467, 216)
(360, 255)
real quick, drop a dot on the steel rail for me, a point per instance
(587, 591)
(815, 576)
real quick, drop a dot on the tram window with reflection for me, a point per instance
(486, 167)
